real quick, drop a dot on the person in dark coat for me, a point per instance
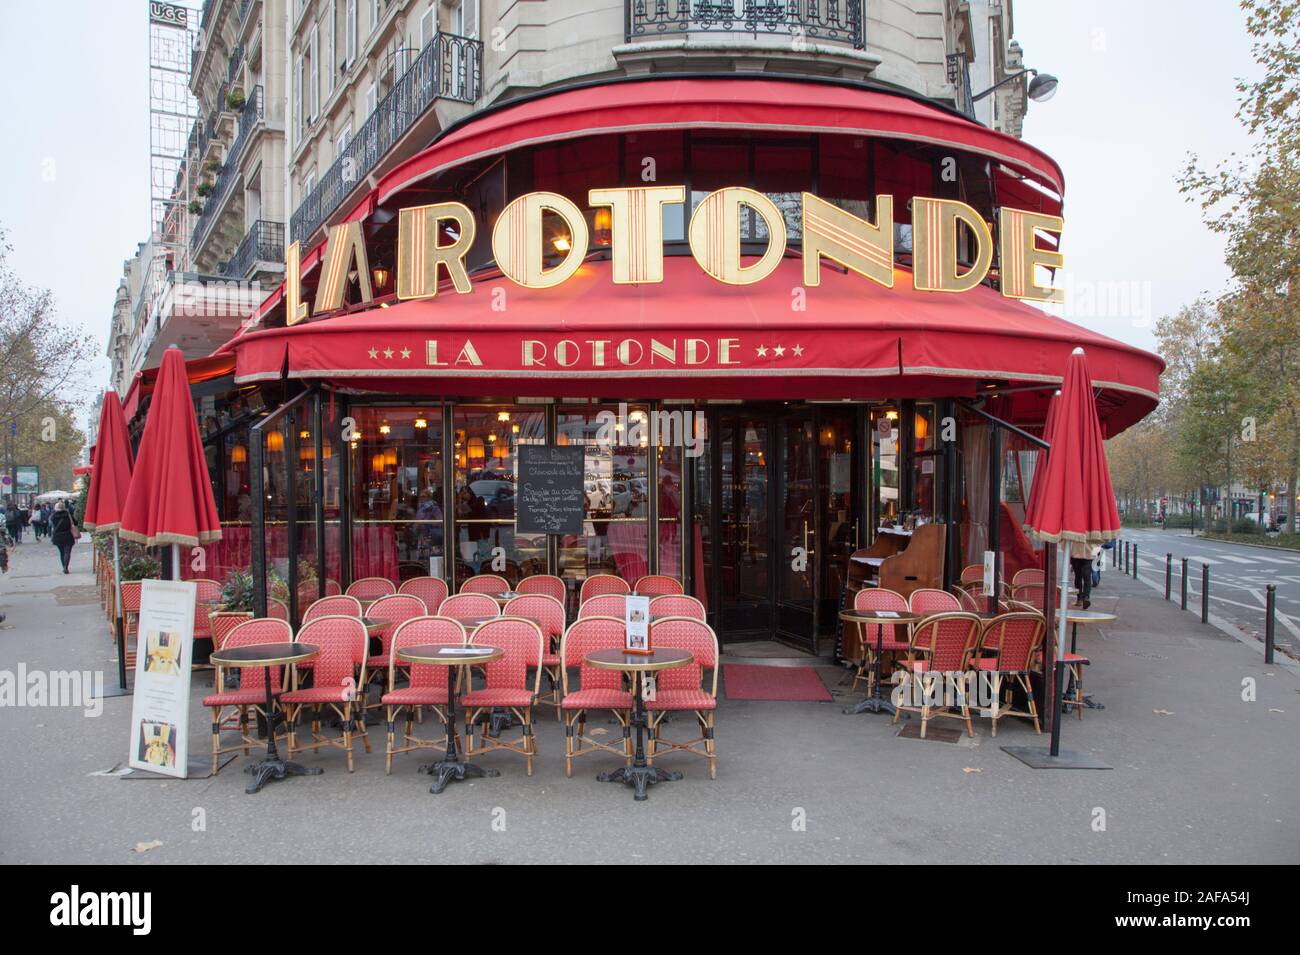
(61, 533)
(14, 522)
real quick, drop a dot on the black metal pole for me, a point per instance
(1135, 561)
(1049, 647)
(1205, 593)
(1182, 600)
(1169, 574)
(1270, 614)
(995, 515)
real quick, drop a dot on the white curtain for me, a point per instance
(975, 467)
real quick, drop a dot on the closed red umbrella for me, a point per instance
(170, 500)
(106, 499)
(111, 467)
(1072, 498)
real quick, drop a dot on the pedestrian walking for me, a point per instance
(1081, 557)
(63, 532)
(14, 522)
(38, 521)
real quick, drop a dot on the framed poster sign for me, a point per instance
(636, 625)
(160, 708)
(550, 496)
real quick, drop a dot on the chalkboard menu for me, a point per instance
(549, 495)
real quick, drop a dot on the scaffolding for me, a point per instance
(173, 32)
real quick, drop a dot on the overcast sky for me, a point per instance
(1143, 82)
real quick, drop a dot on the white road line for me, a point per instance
(1239, 560)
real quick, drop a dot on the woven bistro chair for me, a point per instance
(221, 623)
(598, 584)
(251, 694)
(426, 684)
(277, 609)
(677, 605)
(657, 585)
(396, 609)
(338, 605)
(547, 613)
(432, 590)
(343, 642)
(971, 574)
(928, 601)
(1010, 644)
(891, 641)
(687, 688)
(507, 685)
(605, 605)
(547, 584)
(368, 589)
(1072, 694)
(332, 588)
(597, 689)
(466, 607)
(1029, 575)
(206, 591)
(941, 648)
(491, 584)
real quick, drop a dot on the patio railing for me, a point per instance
(264, 243)
(836, 21)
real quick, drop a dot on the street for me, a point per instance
(1239, 574)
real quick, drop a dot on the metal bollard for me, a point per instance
(1183, 598)
(1135, 561)
(1169, 574)
(1114, 554)
(1127, 545)
(1205, 593)
(1270, 619)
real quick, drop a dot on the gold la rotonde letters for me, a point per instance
(715, 239)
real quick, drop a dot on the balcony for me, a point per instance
(264, 243)
(959, 77)
(812, 21)
(250, 114)
(448, 68)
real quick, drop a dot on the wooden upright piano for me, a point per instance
(898, 560)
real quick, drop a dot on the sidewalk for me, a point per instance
(1214, 779)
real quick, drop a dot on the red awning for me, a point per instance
(693, 337)
(196, 370)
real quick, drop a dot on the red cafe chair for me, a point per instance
(368, 589)
(942, 645)
(686, 689)
(597, 689)
(506, 685)
(605, 605)
(343, 643)
(599, 584)
(879, 598)
(432, 590)
(547, 584)
(656, 585)
(467, 607)
(928, 601)
(547, 613)
(1010, 643)
(338, 605)
(490, 584)
(677, 605)
(251, 694)
(426, 683)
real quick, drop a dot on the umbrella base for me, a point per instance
(1040, 757)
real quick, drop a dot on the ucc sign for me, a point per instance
(636, 245)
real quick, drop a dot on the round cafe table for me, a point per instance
(1075, 617)
(875, 703)
(451, 766)
(374, 625)
(640, 775)
(504, 598)
(267, 655)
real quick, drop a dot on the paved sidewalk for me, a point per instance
(1199, 775)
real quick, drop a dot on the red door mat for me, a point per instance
(742, 681)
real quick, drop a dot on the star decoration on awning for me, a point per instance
(388, 353)
(373, 353)
(406, 353)
(762, 351)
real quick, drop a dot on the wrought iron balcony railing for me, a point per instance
(249, 116)
(449, 67)
(835, 21)
(236, 58)
(263, 243)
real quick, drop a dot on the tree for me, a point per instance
(1254, 202)
(41, 368)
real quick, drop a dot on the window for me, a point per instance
(372, 98)
(331, 17)
(374, 15)
(464, 18)
(350, 33)
(428, 27)
(309, 182)
(298, 74)
(341, 141)
(313, 74)
(995, 66)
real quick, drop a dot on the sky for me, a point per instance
(1142, 84)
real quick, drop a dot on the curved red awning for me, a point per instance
(694, 337)
(196, 370)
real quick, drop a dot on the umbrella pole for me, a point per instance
(176, 561)
(1058, 688)
(118, 621)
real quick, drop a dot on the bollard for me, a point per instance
(1135, 561)
(1270, 614)
(1205, 593)
(1169, 574)
(1127, 545)
(1114, 555)
(1183, 598)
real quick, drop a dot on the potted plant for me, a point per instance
(235, 99)
(138, 563)
(237, 591)
(195, 207)
(204, 188)
(212, 165)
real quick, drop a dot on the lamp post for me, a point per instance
(1041, 88)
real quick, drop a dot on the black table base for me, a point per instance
(445, 770)
(273, 767)
(875, 703)
(640, 775)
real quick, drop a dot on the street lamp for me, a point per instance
(1041, 88)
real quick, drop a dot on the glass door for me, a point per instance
(744, 551)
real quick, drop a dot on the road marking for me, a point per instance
(1239, 560)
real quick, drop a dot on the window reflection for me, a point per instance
(397, 493)
(484, 441)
